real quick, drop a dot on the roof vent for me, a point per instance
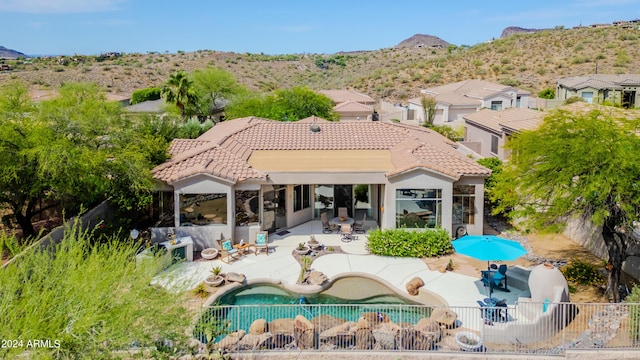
(314, 128)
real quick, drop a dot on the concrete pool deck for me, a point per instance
(280, 266)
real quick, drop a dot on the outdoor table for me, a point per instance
(242, 248)
(336, 221)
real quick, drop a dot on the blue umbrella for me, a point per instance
(488, 247)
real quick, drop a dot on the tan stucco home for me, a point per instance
(465, 97)
(623, 89)
(351, 105)
(255, 173)
(487, 131)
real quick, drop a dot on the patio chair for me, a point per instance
(342, 212)
(326, 227)
(492, 311)
(261, 242)
(358, 226)
(495, 279)
(227, 251)
(345, 233)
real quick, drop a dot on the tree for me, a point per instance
(429, 107)
(284, 105)
(577, 165)
(179, 90)
(214, 87)
(547, 93)
(73, 150)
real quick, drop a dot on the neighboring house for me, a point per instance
(351, 105)
(487, 131)
(251, 173)
(466, 97)
(621, 89)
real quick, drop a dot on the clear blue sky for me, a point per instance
(276, 26)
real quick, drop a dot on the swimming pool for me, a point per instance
(347, 299)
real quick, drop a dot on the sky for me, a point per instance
(89, 27)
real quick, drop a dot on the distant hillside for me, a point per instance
(422, 41)
(517, 30)
(10, 54)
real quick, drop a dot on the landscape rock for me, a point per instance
(278, 341)
(303, 332)
(316, 278)
(324, 322)
(281, 326)
(414, 285)
(364, 339)
(235, 277)
(230, 341)
(252, 341)
(375, 318)
(444, 317)
(427, 325)
(385, 336)
(341, 335)
(411, 339)
(258, 327)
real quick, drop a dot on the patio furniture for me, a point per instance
(345, 233)
(228, 251)
(338, 221)
(326, 227)
(261, 242)
(493, 310)
(358, 226)
(243, 248)
(494, 279)
(342, 212)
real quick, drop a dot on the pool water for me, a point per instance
(239, 308)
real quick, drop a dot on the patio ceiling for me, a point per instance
(321, 160)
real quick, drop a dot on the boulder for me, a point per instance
(230, 341)
(235, 277)
(341, 335)
(444, 317)
(364, 337)
(259, 326)
(427, 325)
(281, 326)
(316, 278)
(385, 336)
(324, 322)
(414, 285)
(303, 332)
(411, 339)
(252, 341)
(278, 341)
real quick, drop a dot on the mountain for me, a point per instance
(422, 41)
(10, 54)
(508, 31)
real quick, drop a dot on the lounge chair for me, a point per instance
(342, 212)
(345, 233)
(261, 242)
(228, 251)
(326, 227)
(358, 226)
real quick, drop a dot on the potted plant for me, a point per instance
(302, 249)
(313, 243)
(215, 279)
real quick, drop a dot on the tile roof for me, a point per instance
(340, 96)
(600, 81)
(510, 120)
(478, 89)
(225, 150)
(352, 106)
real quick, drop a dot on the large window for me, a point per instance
(247, 207)
(464, 200)
(496, 105)
(418, 208)
(323, 195)
(203, 209)
(301, 195)
(587, 96)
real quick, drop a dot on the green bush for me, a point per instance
(409, 243)
(147, 94)
(582, 273)
(634, 313)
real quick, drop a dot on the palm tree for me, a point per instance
(179, 91)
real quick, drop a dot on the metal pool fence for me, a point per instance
(526, 328)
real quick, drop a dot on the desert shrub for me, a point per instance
(582, 273)
(409, 243)
(547, 93)
(138, 96)
(510, 82)
(572, 100)
(633, 299)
